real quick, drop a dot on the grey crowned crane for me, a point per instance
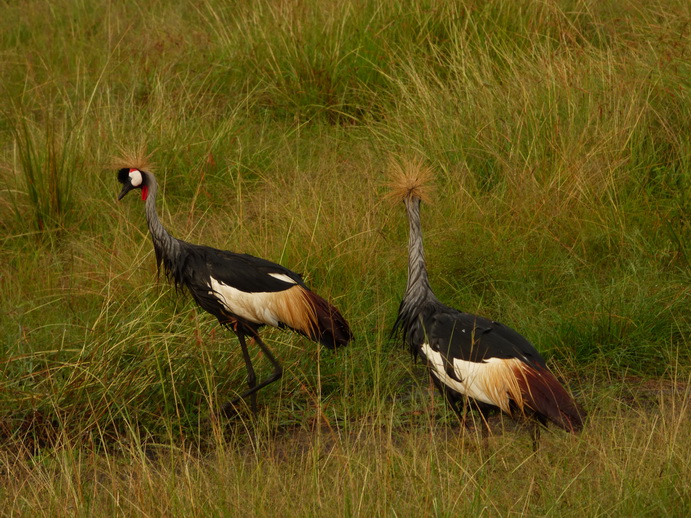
(471, 358)
(243, 292)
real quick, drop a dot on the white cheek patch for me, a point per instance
(135, 177)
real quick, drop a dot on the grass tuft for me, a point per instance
(48, 159)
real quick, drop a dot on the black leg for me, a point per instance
(228, 408)
(450, 399)
(278, 369)
(536, 436)
(536, 427)
(251, 376)
(486, 429)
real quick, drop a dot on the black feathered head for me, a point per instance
(133, 173)
(132, 178)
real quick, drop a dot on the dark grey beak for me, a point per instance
(125, 189)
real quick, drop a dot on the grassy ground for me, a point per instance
(560, 135)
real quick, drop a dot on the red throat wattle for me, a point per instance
(145, 192)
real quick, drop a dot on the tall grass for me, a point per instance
(559, 132)
(49, 163)
(633, 461)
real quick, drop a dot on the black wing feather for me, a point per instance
(241, 271)
(468, 337)
(248, 273)
(195, 265)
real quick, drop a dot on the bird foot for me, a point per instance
(235, 408)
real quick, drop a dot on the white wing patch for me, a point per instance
(491, 381)
(255, 307)
(283, 277)
(436, 362)
(291, 306)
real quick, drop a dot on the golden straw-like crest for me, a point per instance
(133, 159)
(409, 179)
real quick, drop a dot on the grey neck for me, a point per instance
(418, 288)
(160, 236)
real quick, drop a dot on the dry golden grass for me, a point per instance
(556, 137)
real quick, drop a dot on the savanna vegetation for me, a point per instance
(559, 133)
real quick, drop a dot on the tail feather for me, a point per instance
(329, 328)
(543, 394)
(307, 313)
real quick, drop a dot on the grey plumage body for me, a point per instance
(242, 291)
(472, 358)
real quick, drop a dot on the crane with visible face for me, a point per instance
(242, 291)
